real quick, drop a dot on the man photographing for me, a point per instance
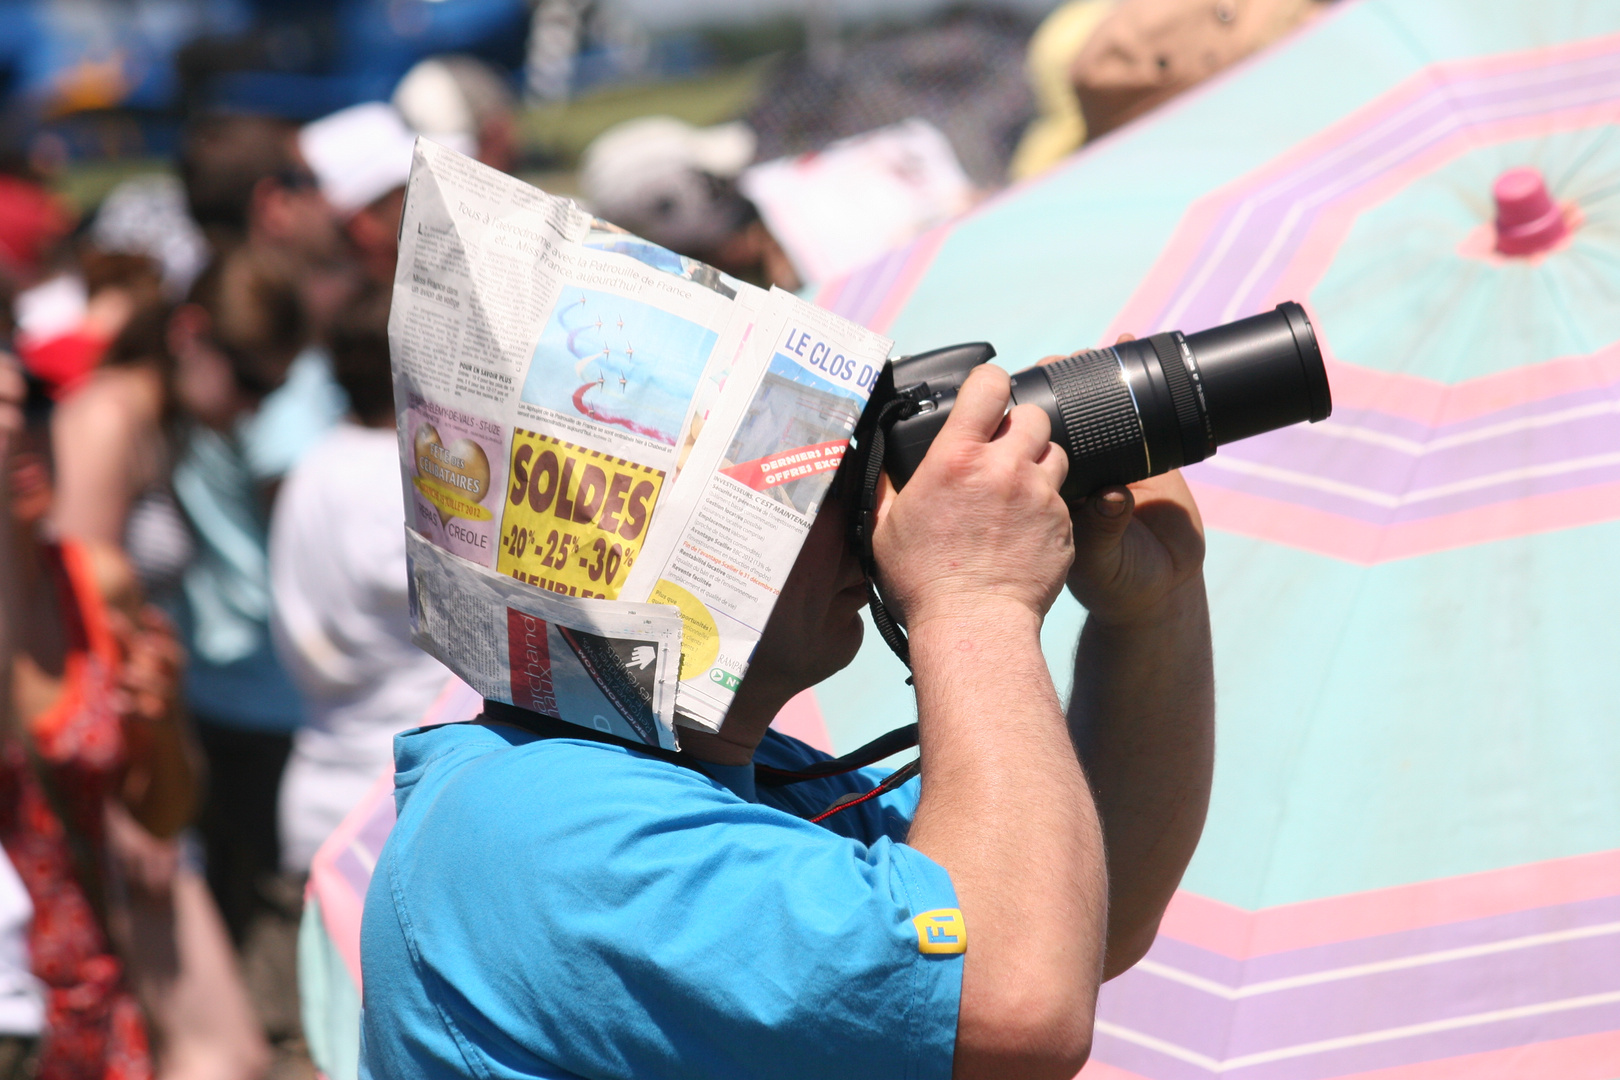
(561, 907)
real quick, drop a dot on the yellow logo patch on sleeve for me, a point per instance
(941, 931)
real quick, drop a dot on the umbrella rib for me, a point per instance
(1604, 134)
(1608, 191)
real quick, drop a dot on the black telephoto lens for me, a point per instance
(1139, 408)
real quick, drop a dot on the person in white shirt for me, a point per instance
(338, 586)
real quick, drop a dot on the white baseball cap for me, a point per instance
(451, 97)
(649, 175)
(358, 154)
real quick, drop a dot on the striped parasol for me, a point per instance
(1412, 863)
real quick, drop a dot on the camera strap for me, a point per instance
(892, 742)
(864, 523)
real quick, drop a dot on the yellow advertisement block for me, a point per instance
(575, 519)
(700, 638)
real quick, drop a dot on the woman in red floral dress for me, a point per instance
(94, 729)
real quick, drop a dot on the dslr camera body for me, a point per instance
(1122, 413)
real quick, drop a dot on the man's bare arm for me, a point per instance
(1142, 711)
(1005, 808)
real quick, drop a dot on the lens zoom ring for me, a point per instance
(1099, 418)
(1182, 395)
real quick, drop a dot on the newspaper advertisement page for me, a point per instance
(536, 435)
(600, 417)
(594, 662)
(754, 483)
(602, 443)
(537, 311)
(466, 303)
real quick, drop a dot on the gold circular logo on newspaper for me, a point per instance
(700, 637)
(454, 477)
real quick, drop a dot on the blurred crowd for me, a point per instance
(205, 587)
(204, 640)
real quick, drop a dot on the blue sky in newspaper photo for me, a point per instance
(619, 362)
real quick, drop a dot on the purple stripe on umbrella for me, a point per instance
(355, 874)
(1546, 959)
(1386, 485)
(1429, 939)
(374, 833)
(1378, 1001)
(1402, 472)
(1498, 1035)
(1359, 510)
(1256, 237)
(1471, 987)
(865, 290)
(1418, 431)
(1379, 947)
(1159, 1064)
(1356, 1004)
(1201, 962)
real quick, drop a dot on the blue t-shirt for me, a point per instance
(567, 908)
(234, 676)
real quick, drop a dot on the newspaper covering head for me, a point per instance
(611, 453)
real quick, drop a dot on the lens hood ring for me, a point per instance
(1310, 360)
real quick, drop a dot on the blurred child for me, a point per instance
(232, 345)
(338, 579)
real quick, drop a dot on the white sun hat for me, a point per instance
(358, 154)
(652, 176)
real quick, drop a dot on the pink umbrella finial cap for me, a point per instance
(1527, 219)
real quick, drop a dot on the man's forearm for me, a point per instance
(1143, 717)
(1006, 811)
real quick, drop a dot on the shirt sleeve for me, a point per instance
(674, 930)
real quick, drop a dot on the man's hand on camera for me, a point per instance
(980, 531)
(1135, 547)
(973, 553)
